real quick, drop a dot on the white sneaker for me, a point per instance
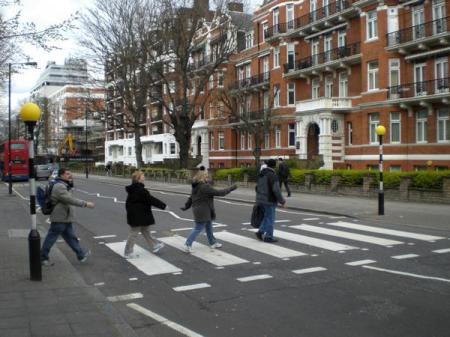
(158, 247)
(131, 256)
(216, 245)
(187, 249)
(85, 257)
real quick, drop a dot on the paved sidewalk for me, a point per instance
(62, 304)
(424, 215)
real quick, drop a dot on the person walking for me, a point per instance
(283, 175)
(268, 195)
(202, 203)
(139, 214)
(62, 216)
(108, 169)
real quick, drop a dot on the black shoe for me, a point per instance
(271, 240)
(259, 235)
(289, 194)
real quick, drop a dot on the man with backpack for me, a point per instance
(283, 175)
(268, 195)
(61, 217)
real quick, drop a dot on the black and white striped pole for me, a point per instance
(381, 130)
(30, 114)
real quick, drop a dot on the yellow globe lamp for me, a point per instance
(380, 130)
(30, 112)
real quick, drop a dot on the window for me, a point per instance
(421, 126)
(441, 75)
(267, 140)
(443, 127)
(276, 57)
(277, 137)
(291, 93)
(129, 151)
(315, 88)
(172, 148)
(349, 134)
(439, 15)
(372, 76)
(290, 16)
(374, 120)
(291, 135)
(266, 100)
(315, 52)
(276, 96)
(371, 26)
(395, 168)
(242, 140)
(394, 77)
(276, 20)
(329, 86)
(248, 71)
(221, 141)
(343, 84)
(312, 10)
(418, 20)
(172, 87)
(327, 47)
(266, 69)
(211, 82)
(290, 56)
(220, 78)
(211, 141)
(249, 40)
(265, 31)
(249, 141)
(419, 79)
(395, 127)
(335, 126)
(342, 38)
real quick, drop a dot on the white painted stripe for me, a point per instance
(360, 262)
(99, 284)
(309, 219)
(105, 236)
(254, 244)
(408, 274)
(149, 264)
(181, 229)
(277, 221)
(192, 287)
(175, 326)
(216, 257)
(254, 278)
(125, 297)
(348, 235)
(324, 244)
(308, 270)
(441, 251)
(404, 256)
(133, 279)
(387, 231)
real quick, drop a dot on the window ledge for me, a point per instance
(374, 39)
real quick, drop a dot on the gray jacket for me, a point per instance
(63, 200)
(202, 197)
(268, 188)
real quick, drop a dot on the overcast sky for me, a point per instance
(44, 13)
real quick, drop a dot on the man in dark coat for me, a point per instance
(283, 175)
(268, 195)
(139, 214)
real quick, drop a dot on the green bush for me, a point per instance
(428, 179)
(297, 176)
(322, 177)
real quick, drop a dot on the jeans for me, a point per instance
(134, 232)
(66, 231)
(196, 231)
(266, 227)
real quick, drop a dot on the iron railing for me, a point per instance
(252, 81)
(421, 88)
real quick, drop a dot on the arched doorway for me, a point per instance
(199, 146)
(313, 141)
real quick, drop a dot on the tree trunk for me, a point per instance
(138, 148)
(257, 150)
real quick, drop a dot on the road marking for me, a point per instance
(348, 235)
(175, 326)
(392, 232)
(308, 270)
(216, 257)
(133, 279)
(254, 278)
(125, 297)
(291, 212)
(192, 287)
(20, 195)
(99, 284)
(324, 244)
(360, 262)
(404, 256)
(253, 244)
(408, 274)
(278, 221)
(441, 251)
(310, 219)
(105, 236)
(148, 263)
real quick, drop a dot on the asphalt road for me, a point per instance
(327, 276)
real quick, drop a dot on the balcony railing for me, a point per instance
(420, 89)
(275, 30)
(255, 115)
(323, 12)
(333, 103)
(252, 81)
(416, 32)
(322, 58)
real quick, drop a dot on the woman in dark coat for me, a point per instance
(139, 214)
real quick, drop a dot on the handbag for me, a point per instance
(257, 216)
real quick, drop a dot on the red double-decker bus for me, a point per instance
(19, 160)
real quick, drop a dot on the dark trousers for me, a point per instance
(67, 233)
(285, 182)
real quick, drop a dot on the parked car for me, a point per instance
(43, 171)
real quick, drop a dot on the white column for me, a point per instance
(205, 149)
(325, 145)
(302, 138)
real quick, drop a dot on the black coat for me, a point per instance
(139, 205)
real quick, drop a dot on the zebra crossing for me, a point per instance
(299, 246)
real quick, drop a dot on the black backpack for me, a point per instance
(44, 199)
(257, 216)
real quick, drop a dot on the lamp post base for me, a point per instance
(381, 203)
(34, 245)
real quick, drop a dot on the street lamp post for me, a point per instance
(86, 141)
(9, 119)
(380, 131)
(30, 114)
